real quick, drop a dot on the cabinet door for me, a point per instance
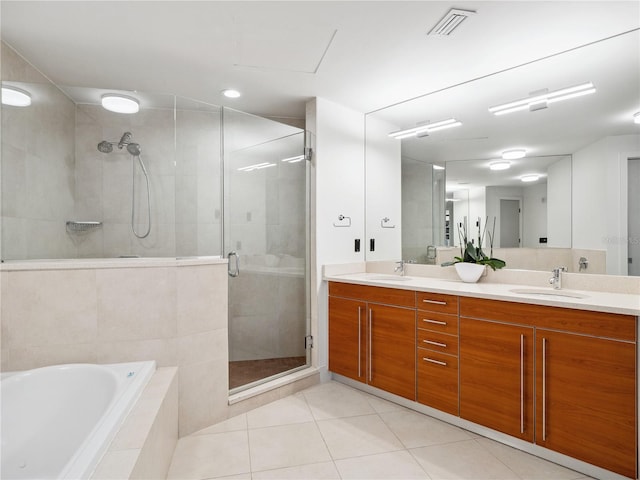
(496, 376)
(347, 332)
(391, 349)
(438, 380)
(586, 399)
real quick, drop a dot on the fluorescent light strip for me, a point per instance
(430, 127)
(295, 159)
(549, 97)
(257, 166)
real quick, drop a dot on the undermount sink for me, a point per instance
(390, 278)
(548, 292)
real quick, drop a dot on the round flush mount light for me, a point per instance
(513, 154)
(15, 97)
(530, 178)
(120, 103)
(500, 165)
(438, 167)
(636, 118)
(231, 93)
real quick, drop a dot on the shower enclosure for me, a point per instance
(265, 225)
(193, 191)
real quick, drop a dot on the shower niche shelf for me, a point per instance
(79, 227)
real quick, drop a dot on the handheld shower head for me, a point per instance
(124, 140)
(105, 147)
(134, 149)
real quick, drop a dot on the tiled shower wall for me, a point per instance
(38, 164)
(52, 172)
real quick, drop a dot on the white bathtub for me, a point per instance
(58, 421)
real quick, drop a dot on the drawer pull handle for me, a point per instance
(437, 362)
(438, 344)
(437, 322)
(435, 302)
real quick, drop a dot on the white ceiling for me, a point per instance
(365, 55)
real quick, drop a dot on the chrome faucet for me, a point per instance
(400, 268)
(556, 280)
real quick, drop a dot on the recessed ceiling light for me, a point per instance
(636, 118)
(500, 165)
(438, 167)
(513, 154)
(15, 97)
(530, 178)
(120, 103)
(231, 93)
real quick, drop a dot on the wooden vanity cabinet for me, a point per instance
(586, 399)
(372, 336)
(437, 351)
(584, 374)
(496, 376)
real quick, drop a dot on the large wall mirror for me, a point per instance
(580, 157)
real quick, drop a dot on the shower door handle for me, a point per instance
(236, 270)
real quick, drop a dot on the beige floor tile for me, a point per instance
(210, 456)
(334, 400)
(528, 467)
(357, 436)
(381, 405)
(233, 424)
(314, 471)
(286, 446)
(292, 409)
(461, 461)
(417, 430)
(392, 465)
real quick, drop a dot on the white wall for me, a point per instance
(384, 191)
(337, 182)
(559, 203)
(599, 198)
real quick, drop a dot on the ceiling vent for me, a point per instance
(450, 21)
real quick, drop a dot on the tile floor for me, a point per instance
(332, 431)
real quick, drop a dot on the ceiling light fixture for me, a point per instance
(231, 93)
(539, 100)
(120, 103)
(636, 118)
(500, 165)
(15, 97)
(450, 21)
(438, 167)
(426, 128)
(530, 178)
(513, 154)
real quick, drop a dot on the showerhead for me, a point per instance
(134, 149)
(124, 140)
(105, 147)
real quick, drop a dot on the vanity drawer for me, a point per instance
(437, 302)
(438, 322)
(438, 380)
(382, 295)
(439, 342)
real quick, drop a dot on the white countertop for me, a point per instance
(621, 303)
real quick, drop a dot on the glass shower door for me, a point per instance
(265, 237)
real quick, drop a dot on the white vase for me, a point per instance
(469, 272)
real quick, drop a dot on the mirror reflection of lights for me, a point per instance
(530, 178)
(15, 97)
